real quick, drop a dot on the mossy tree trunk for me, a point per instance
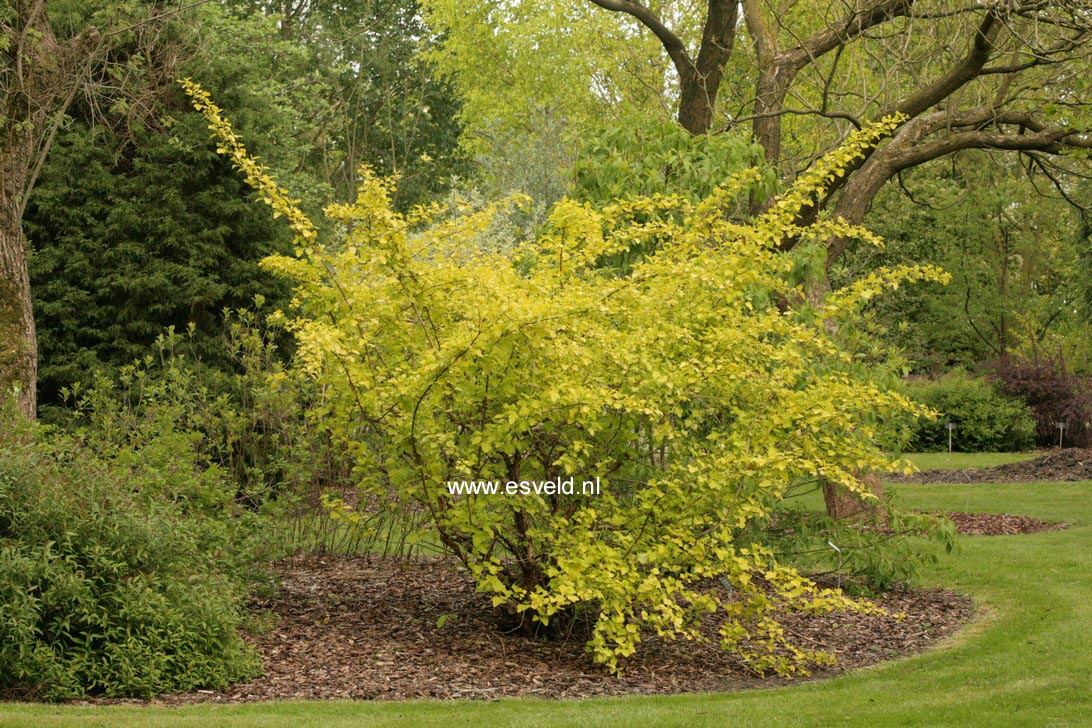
(39, 78)
(18, 340)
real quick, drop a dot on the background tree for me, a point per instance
(138, 226)
(801, 75)
(1006, 75)
(537, 81)
(384, 103)
(45, 63)
(1014, 255)
(509, 61)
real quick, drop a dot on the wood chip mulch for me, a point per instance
(998, 524)
(1067, 465)
(368, 629)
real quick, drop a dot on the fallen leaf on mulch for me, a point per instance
(368, 629)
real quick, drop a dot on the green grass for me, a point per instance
(961, 460)
(1024, 662)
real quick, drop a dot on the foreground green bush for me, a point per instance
(986, 420)
(107, 585)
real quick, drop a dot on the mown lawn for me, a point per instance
(960, 460)
(1024, 662)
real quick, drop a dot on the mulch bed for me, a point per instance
(367, 629)
(357, 628)
(1060, 466)
(1067, 465)
(999, 524)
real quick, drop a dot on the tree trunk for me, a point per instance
(841, 504)
(41, 78)
(700, 80)
(696, 110)
(769, 103)
(18, 339)
(695, 106)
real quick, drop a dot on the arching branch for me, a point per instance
(674, 46)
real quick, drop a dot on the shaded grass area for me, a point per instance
(961, 460)
(1023, 662)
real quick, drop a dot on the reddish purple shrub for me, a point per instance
(1054, 395)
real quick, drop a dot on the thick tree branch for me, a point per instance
(698, 89)
(674, 46)
(963, 72)
(838, 34)
(1031, 33)
(1048, 140)
(765, 42)
(778, 70)
(973, 129)
(700, 79)
(914, 105)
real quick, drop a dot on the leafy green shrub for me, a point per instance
(250, 437)
(106, 586)
(242, 421)
(642, 156)
(985, 419)
(868, 560)
(646, 156)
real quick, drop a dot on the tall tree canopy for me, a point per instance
(384, 104)
(1018, 280)
(799, 75)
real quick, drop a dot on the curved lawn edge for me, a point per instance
(1021, 661)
